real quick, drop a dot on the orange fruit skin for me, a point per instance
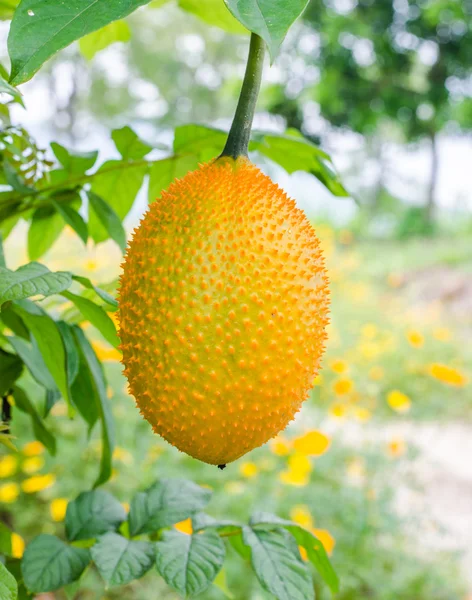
(223, 307)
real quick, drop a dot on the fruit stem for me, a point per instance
(240, 132)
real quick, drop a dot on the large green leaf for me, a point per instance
(73, 219)
(6, 88)
(30, 43)
(271, 19)
(3, 264)
(49, 564)
(11, 368)
(189, 563)
(315, 550)
(8, 585)
(165, 503)
(41, 432)
(203, 142)
(118, 31)
(96, 316)
(163, 172)
(75, 163)
(213, 12)
(105, 296)
(45, 228)
(72, 355)
(31, 280)
(49, 340)
(279, 570)
(129, 145)
(7, 8)
(92, 514)
(202, 521)
(84, 393)
(119, 560)
(102, 404)
(34, 362)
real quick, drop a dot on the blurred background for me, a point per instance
(379, 461)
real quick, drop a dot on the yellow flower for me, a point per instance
(38, 483)
(448, 375)
(122, 455)
(338, 410)
(369, 331)
(57, 509)
(33, 449)
(326, 539)
(248, 469)
(396, 447)
(293, 478)
(17, 545)
(9, 492)
(298, 472)
(398, 401)
(299, 463)
(343, 386)
(362, 414)
(105, 353)
(185, 526)
(313, 443)
(339, 366)
(32, 465)
(301, 515)
(280, 446)
(442, 334)
(415, 338)
(90, 265)
(8, 465)
(376, 373)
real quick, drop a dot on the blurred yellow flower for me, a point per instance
(343, 386)
(105, 352)
(299, 468)
(90, 265)
(338, 410)
(376, 373)
(442, 334)
(280, 446)
(38, 483)
(122, 455)
(8, 465)
(369, 331)
(362, 414)
(415, 338)
(338, 366)
(396, 447)
(17, 545)
(301, 515)
(398, 401)
(9, 492)
(248, 469)
(185, 526)
(294, 478)
(326, 539)
(448, 375)
(57, 509)
(32, 465)
(33, 449)
(126, 506)
(313, 443)
(235, 487)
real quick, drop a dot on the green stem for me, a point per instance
(240, 132)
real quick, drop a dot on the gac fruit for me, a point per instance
(223, 308)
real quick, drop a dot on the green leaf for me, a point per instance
(72, 355)
(7, 8)
(46, 226)
(3, 264)
(6, 88)
(299, 154)
(73, 219)
(96, 316)
(119, 560)
(30, 43)
(49, 340)
(202, 521)
(92, 514)
(49, 564)
(165, 503)
(31, 356)
(105, 296)
(41, 432)
(163, 172)
(203, 142)
(189, 563)
(15, 179)
(109, 219)
(8, 585)
(213, 12)
(5, 540)
(278, 569)
(314, 548)
(129, 145)
(31, 280)
(76, 163)
(84, 393)
(102, 404)
(11, 368)
(118, 31)
(271, 19)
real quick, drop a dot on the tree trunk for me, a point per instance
(433, 179)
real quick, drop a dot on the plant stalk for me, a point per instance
(240, 132)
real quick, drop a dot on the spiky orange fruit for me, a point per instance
(223, 308)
